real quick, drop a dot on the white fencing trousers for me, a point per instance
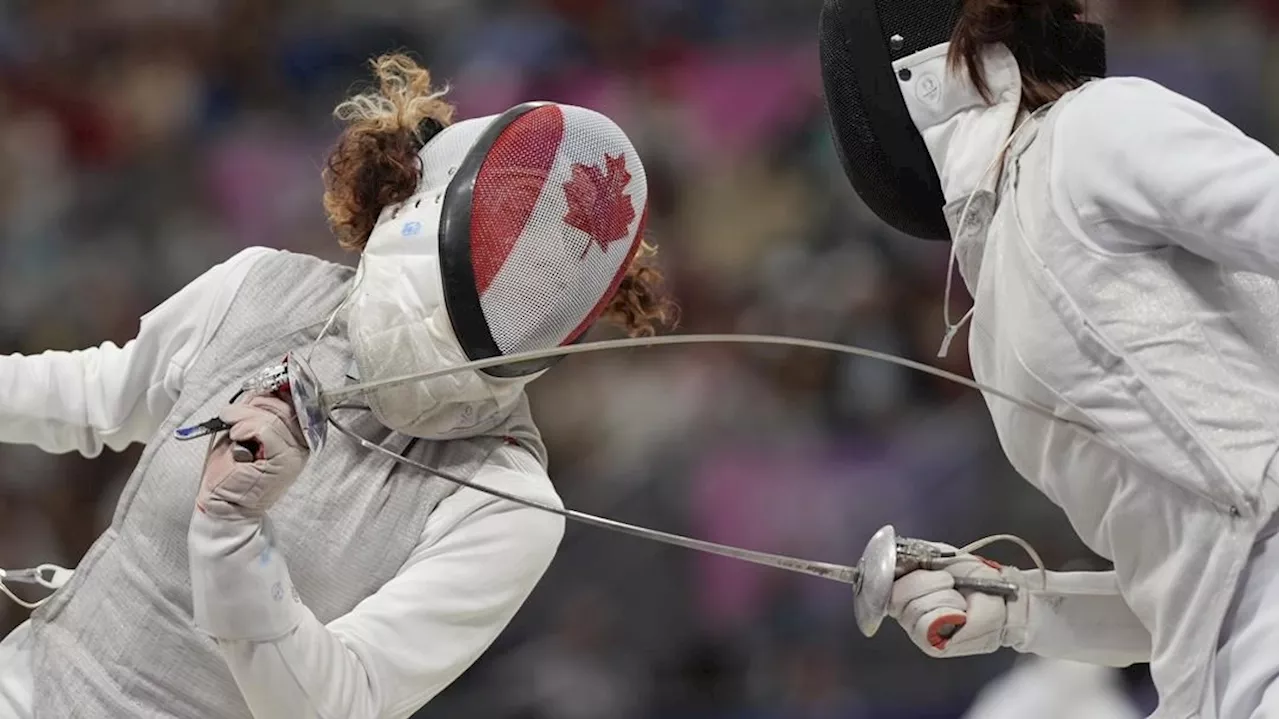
(1245, 676)
(16, 700)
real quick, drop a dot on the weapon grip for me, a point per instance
(994, 587)
(246, 451)
(947, 631)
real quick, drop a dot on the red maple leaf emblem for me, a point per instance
(597, 204)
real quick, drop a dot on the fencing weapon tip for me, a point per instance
(204, 429)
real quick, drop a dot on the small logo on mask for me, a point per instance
(929, 90)
(410, 229)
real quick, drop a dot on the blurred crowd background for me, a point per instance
(142, 141)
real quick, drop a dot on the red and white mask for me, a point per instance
(521, 229)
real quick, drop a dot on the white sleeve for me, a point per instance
(478, 560)
(1079, 616)
(1146, 168)
(109, 396)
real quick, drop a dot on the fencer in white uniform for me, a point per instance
(331, 581)
(477, 557)
(1120, 244)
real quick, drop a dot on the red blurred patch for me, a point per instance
(943, 628)
(508, 186)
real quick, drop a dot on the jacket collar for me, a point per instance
(962, 132)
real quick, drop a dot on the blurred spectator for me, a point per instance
(575, 672)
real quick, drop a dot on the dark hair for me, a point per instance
(1030, 29)
(375, 164)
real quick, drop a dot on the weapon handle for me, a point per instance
(994, 587)
(246, 451)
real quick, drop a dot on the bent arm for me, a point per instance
(479, 559)
(109, 396)
(1079, 616)
(1146, 168)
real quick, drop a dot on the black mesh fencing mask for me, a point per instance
(883, 154)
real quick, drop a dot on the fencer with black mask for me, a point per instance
(1120, 243)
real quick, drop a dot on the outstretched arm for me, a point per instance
(1079, 616)
(478, 559)
(1082, 617)
(109, 396)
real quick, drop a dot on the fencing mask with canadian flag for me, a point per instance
(520, 231)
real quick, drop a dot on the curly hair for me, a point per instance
(641, 306)
(375, 164)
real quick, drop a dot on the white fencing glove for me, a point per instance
(236, 485)
(240, 584)
(946, 622)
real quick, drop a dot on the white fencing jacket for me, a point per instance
(478, 559)
(1122, 256)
